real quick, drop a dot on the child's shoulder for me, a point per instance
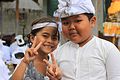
(103, 42)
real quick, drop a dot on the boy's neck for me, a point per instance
(85, 41)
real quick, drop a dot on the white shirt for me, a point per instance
(6, 52)
(96, 60)
(4, 71)
(17, 50)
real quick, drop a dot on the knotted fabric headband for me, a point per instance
(73, 7)
(44, 24)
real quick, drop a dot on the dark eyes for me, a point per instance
(77, 20)
(65, 23)
(69, 22)
(54, 37)
(46, 36)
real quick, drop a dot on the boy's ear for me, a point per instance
(93, 21)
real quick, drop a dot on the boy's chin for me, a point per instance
(75, 41)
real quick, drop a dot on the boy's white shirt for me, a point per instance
(96, 60)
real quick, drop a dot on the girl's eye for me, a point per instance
(55, 38)
(45, 36)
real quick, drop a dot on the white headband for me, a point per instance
(73, 7)
(40, 25)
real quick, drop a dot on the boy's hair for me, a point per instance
(89, 15)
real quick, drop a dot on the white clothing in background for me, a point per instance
(4, 71)
(6, 54)
(13, 47)
(96, 60)
(18, 49)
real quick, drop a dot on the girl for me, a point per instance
(44, 38)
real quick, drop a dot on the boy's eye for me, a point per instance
(76, 21)
(65, 23)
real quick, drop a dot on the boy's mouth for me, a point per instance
(73, 33)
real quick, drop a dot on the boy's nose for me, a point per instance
(71, 26)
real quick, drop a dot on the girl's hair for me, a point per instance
(42, 20)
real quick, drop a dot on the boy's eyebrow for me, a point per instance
(64, 19)
(76, 16)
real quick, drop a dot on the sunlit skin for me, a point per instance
(78, 28)
(47, 38)
(50, 37)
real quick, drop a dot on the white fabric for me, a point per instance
(20, 40)
(6, 54)
(93, 61)
(40, 25)
(18, 49)
(72, 7)
(1, 41)
(1, 45)
(4, 71)
(13, 47)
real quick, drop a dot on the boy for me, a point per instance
(85, 56)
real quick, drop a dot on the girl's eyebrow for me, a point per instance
(45, 33)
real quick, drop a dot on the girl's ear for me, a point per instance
(32, 38)
(93, 21)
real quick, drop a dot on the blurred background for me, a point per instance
(16, 17)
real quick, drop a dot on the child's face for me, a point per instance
(50, 37)
(78, 28)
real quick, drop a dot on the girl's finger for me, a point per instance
(50, 76)
(46, 62)
(58, 73)
(53, 58)
(29, 51)
(37, 47)
(50, 71)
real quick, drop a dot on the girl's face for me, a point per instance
(78, 28)
(49, 36)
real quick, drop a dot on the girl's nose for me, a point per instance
(49, 39)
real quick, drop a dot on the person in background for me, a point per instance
(84, 56)
(6, 49)
(18, 49)
(4, 71)
(44, 37)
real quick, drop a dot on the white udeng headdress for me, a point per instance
(72, 7)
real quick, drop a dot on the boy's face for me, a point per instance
(78, 28)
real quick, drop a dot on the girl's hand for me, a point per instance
(53, 71)
(30, 53)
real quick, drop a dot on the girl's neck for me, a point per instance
(41, 56)
(39, 64)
